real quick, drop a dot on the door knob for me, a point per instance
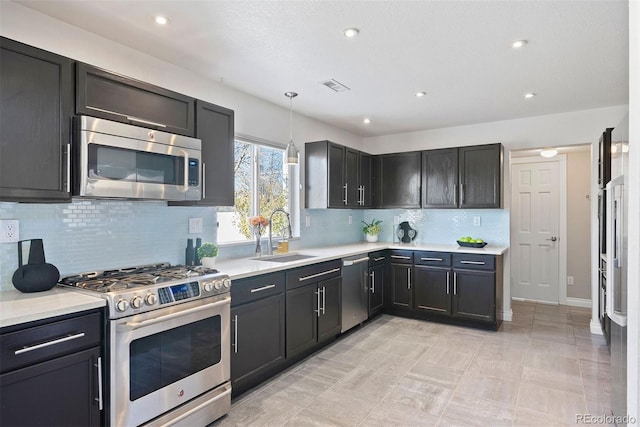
(553, 238)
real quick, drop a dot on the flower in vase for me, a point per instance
(259, 224)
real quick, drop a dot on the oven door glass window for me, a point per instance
(169, 356)
(121, 164)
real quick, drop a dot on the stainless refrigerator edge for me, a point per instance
(617, 293)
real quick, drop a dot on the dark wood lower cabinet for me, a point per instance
(330, 318)
(376, 288)
(474, 295)
(401, 294)
(59, 392)
(433, 289)
(302, 319)
(258, 337)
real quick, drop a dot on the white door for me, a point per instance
(535, 190)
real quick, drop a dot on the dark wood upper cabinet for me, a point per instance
(215, 128)
(101, 93)
(336, 176)
(440, 178)
(36, 100)
(463, 177)
(397, 180)
(480, 176)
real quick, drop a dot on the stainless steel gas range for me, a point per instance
(168, 343)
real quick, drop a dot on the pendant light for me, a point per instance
(292, 150)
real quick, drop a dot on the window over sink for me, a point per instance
(263, 183)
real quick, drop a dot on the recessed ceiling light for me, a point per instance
(420, 94)
(518, 44)
(161, 20)
(529, 95)
(366, 121)
(548, 152)
(351, 32)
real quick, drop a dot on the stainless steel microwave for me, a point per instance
(116, 160)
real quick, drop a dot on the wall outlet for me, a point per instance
(307, 221)
(9, 230)
(195, 225)
(476, 221)
(350, 219)
(569, 280)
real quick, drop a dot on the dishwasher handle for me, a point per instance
(349, 262)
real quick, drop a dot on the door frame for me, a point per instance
(562, 219)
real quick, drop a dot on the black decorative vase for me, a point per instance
(36, 275)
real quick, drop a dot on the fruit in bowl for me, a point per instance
(471, 242)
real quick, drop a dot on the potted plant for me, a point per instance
(371, 230)
(207, 253)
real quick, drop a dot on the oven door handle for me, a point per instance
(130, 326)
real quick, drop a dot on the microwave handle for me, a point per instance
(203, 180)
(186, 171)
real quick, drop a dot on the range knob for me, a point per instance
(217, 284)
(208, 286)
(150, 299)
(122, 305)
(136, 302)
(227, 283)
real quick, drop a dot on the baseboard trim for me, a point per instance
(579, 302)
(595, 328)
(506, 316)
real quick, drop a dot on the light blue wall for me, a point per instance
(91, 235)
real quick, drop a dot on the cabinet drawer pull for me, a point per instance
(473, 262)
(431, 259)
(99, 398)
(313, 276)
(400, 257)
(49, 343)
(146, 122)
(264, 288)
(380, 258)
(324, 298)
(354, 261)
(455, 283)
(408, 278)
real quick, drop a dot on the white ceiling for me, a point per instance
(457, 51)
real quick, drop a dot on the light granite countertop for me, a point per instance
(17, 307)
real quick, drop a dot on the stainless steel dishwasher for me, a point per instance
(354, 291)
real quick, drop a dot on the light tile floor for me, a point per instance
(542, 369)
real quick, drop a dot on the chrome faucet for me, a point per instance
(271, 227)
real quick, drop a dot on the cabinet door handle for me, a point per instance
(27, 349)
(345, 193)
(362, 187)
(263, 288)
(318, 302)
(378, 259)
(455, 194)
(235, 334)
(448, 281)
(98, 365)
(400, 257)
(473, 262)
(373, 282)
(324, 298)
(462, 194)
(204, 181)
(408, 278)
(313, 276)
(146, 122)
(68, 168)
(455, 283)
(355, 261)
(432, 259)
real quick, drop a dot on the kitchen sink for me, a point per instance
(283, 257)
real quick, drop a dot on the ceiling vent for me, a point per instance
(335, 85)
